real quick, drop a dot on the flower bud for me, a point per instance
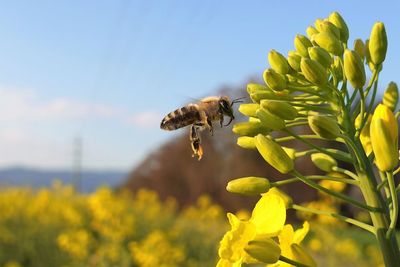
(378, 43)
(249, 110)
(311, 31)
(320, 55)
(337, 68)
(317, 24)
(329, 42)
(300, 255)
(336, 19)
(250, 128)
(270, 120)
(248, 186)
(384, 138)
(254, 87)
(354, 69)
(324, 126)
(371, 65)
(274, 80)
(294, 60)
(246, 142)
(278, 62)
(359, 47)
(313, 71)
(323, 161)
(365, 134)
(274, 154)
(281, 109)
(263, 249)
(326, 26)
(302, 43)
(264, 94)
(391, 96)
(291, 152)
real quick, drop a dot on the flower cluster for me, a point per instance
(322, 87)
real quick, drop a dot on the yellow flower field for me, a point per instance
(60, 227)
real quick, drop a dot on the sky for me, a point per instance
(108, 71)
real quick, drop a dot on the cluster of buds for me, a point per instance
(322, 87)
(309, 87)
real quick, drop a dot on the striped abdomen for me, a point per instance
(181, 117)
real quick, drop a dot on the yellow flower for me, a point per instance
(289, 241)
(268, 218)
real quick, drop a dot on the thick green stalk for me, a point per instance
(368, 185)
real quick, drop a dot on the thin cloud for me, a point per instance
(21, 105)
(146, 119)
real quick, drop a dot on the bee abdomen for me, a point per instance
(180, 118)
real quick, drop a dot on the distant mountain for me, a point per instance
(90, 180)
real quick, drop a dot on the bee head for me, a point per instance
(226, 108)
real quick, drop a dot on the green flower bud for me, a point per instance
(248, 186)
(294, 60)
(313, 71)
(274, 154)
(246, 142)
(365, 137)
(270, 120)
(329, 42)
(354, 68)
(278, 62)
(321, 56)
(326, 26)
(302, 43)
(311, 31)
(391, 96)
(323, 161)
(317, 24)
(281, 109)
(378, 43)
(250, 128)
(324, 126)
(263, 249)
(336, 19)
(260, 95)
(337, 68)
(384, 138)
(300, 255)
(359, 47)
(274, 80)
(249, 110)
(254, 87)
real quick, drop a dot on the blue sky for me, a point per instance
(109, 70)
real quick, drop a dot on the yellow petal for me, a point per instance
(269, 214)
(299, 234)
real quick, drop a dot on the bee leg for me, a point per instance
(195, 142)
(221, 120)
(210, 127)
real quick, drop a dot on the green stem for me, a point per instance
(362, 110)
(292, 262)
(314, 177)
(355, 222)
(305, 136)
(347, 172)
(323, 150)
(299, 123)
(395, 203)
(335, 194)
(383, 184)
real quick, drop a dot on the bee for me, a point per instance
(200, 116)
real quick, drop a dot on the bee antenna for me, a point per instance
(237, 100)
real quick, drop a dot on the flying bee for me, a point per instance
(200, 116)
